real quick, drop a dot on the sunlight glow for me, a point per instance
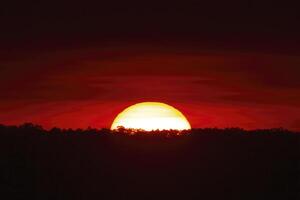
(151, 116)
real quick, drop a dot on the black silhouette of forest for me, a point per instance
(207, 164)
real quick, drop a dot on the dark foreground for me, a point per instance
(205, 164)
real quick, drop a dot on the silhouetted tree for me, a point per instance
(208, 163)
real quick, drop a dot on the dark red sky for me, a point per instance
(79, 64)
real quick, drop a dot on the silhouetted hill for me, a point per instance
(100, 164)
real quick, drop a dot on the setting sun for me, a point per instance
(151, 116)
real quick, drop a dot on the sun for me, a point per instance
(151, 116)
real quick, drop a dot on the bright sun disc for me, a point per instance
(151, 116)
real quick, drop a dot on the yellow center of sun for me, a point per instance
(151, 116)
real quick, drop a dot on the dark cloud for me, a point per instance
(246, 25)
(87, 74)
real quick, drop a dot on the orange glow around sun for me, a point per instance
(151, 116)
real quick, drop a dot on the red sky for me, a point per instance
(88, 87)
(223, 64)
